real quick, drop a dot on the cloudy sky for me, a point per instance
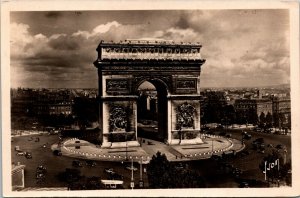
(241, 47)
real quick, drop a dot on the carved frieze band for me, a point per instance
(117, 85)
(186, 84)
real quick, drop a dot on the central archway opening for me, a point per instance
(152, 109)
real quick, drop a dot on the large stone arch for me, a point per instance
(173, 68)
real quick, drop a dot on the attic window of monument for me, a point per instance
(194, 51)
(183, 50)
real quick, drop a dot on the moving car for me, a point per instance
(109, 170)
(57, 153)
(91, 163)
(244, 185)
(20, 153)
(28, 155)
(76, 163)
(41, 169)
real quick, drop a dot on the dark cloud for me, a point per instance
(53, 14)
(64, 43)
(182, 23)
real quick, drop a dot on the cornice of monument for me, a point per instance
(149, 50)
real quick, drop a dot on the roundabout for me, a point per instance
(212, 145)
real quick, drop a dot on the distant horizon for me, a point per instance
(262, 86)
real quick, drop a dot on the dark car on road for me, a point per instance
(28, 155)
(109, 170)
(91, 163)
(76, 163)
(258, 143)
(41, 169)
(57, 153)
(244, 185)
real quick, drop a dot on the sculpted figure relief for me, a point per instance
(117, 119)
(185, 116)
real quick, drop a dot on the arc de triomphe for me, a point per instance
(173, 68)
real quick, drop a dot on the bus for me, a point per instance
(112, 184)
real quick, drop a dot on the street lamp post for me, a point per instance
(132, 181)
(212, 146)
(126, 157)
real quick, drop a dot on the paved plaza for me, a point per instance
(212, 145)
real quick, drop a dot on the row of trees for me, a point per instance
(227, 115)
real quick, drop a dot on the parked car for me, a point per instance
(17, 148)
(41, 169)
(91, 163)
(76, 163)
(20, 153)
(257, 129)
(220, 127)
(216, 157)
(228, 135)
(244, 185)
(279, 146)
(236, 172)
(205, 128)
(40, 176)
(28, 155)
(270, 146)
(57, 153)
(258, 143)
(267, 130)
(222, 133)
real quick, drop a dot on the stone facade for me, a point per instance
(173, 68)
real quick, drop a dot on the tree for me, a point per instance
(229, 114)
(163, 174)
(158, 166)
(252, 116)
(276, 119)
(262, 119)
(269, 120)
